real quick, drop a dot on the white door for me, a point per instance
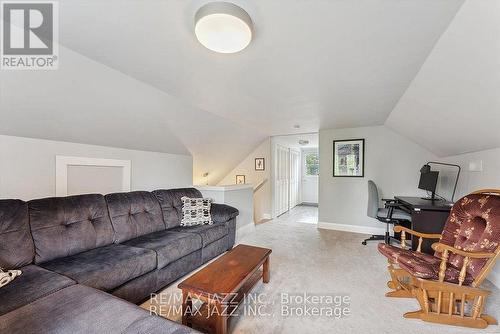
(282, 179)
(310, 173)
(294, 178)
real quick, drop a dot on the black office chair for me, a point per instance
(389, 214)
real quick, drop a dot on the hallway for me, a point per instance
(300, 214)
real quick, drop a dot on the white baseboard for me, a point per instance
(244, 230)
(352, 228)
(266, 216)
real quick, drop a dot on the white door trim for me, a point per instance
(295, 178)
(63, 162)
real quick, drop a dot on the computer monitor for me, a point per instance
(428, 181)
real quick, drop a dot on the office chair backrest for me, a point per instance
(372, 199)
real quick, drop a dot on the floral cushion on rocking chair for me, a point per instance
(473, 226)
(393, 253)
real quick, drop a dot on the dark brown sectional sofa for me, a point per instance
(87, 259)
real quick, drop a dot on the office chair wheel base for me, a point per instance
(373, 238)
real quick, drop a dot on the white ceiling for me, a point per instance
(136, 66)
(322, 63)
(292, 141)
(453, 104)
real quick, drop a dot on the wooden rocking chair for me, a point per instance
(448, 285)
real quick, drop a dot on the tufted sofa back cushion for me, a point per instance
(473, 226)
(16, 244)
(171, 204)
(134, 214)
(63, 226)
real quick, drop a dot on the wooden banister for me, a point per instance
(259, 185)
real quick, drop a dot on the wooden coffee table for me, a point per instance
(222, 285)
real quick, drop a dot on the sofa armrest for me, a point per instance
(222, 213)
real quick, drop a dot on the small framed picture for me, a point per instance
(349, 158)
(260, 164)
(240, 179)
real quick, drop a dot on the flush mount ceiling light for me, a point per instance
(223, 27)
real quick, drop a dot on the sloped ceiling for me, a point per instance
(320, 64)
(87, 102)
(136, 67)
(453, 104)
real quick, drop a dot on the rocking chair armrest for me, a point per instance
(439, 247)
(399, 228)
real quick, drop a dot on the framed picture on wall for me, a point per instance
(349, 158)
(260, 164)
(240, 179)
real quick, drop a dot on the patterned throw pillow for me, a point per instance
(196, 211)
(8, 276)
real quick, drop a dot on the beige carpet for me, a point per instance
(323, 262)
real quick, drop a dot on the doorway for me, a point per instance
(310, 176)
(295, 171)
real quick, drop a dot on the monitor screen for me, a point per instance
(428, 181)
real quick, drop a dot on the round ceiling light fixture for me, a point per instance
(223, 27)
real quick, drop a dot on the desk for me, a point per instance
(426, 217)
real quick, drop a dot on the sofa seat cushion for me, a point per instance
(168, 245)
(222, 213)
(393, 253)
(157, 325)
(80, 309)
(34, 283)
(421, 268)
(107, 267)
(208, 233)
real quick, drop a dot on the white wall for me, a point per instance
(94, 179)
(27, 166)
(262, 197)
(391, 161)
(238, 196)
(469, 181)
(452, 105)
